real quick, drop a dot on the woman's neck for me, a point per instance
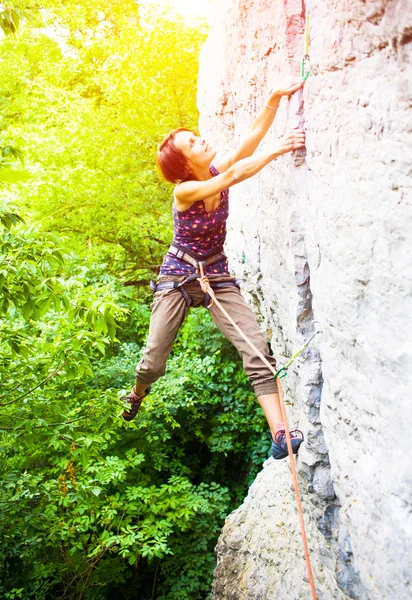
(201, 173)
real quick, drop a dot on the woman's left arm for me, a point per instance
(260, 126)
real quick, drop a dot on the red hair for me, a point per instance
(171, 161)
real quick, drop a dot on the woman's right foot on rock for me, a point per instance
(279, 443)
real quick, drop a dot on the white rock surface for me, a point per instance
(325, 235)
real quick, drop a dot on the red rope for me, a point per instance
(206, 288)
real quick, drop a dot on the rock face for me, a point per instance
(324, 235)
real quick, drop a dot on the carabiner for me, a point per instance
(305, 67)
(281, 373)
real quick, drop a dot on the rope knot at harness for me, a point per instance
(204, 284)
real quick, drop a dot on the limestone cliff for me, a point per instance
(325, 235)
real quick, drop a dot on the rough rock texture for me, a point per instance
(325, 235)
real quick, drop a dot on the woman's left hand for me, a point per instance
(289, 87)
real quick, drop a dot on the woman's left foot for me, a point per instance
(132, 404)
(279, 444)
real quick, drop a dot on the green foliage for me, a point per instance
(94, 491)
(10, 17)
(49, 318)
(8, 155)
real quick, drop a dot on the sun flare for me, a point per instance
(185, 8)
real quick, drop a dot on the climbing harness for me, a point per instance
(195, 260)
(207, 289)
(305, 65)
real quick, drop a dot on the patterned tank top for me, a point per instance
(200, 232)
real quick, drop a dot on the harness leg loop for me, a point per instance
(186, 295)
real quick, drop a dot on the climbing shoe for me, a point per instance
(134, 401)
(279, 445)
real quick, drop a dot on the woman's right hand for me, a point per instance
(292, 140)
(289, 86)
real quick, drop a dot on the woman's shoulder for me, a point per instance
(213, 171)
(179, 209)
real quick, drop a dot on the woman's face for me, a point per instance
(195, 149)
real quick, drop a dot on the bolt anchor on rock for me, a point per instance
(305, 67)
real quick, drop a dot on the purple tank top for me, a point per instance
(200, 232)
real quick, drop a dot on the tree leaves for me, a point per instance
(13, 175)
(10, 19)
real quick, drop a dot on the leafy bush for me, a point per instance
(83, 499)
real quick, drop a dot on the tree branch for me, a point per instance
(43, 426)
(36, 386)
(137, 282)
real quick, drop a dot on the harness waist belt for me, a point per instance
(193, 259)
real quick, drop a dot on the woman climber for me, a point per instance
(200, 211)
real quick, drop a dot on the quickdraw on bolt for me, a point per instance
(305, 66)
(282, 372)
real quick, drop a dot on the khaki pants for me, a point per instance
(169, 310)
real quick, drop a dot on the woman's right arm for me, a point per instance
(261, 124)
(188, 192)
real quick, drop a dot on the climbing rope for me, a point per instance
(207, 289)
(305, 65)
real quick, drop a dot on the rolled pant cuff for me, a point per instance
(269, 387)
(143, 382)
